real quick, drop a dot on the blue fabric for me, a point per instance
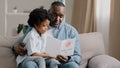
(30, 64)
(21, 40)
(28, 29)
(69, 65)
(65, 31)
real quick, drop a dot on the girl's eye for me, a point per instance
(43, 24)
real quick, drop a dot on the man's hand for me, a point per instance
(61, 58)
(19, 49)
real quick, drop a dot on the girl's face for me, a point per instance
(42, 28)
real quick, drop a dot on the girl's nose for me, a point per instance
(46, 28)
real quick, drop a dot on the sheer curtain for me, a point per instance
(103, 19)
(114, 34)
(92, 16)
(90, 23)
(84, 16)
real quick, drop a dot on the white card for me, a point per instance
(60, 47)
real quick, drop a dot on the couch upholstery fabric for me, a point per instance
(92, 48)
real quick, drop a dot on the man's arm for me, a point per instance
(77, 52)
(69, 32)
(18, 47)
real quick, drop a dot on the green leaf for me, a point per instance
(19, 28)
(25, 28)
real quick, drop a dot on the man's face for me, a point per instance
(59, 13)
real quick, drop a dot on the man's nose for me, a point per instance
(57, 18)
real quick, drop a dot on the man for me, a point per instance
(60, 30)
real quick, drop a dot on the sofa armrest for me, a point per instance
(103, 61)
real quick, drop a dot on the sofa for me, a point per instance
(92, 49)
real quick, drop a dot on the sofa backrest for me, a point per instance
(91, 45)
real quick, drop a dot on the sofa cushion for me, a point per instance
(7, 59)
(91, 45)
(8, 41)
(104, 61)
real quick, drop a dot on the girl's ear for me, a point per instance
(35, 26)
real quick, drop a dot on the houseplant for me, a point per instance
(22, 28)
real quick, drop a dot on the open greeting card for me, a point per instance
(60, 47)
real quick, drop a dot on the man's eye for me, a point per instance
(61, 16)
(55, 15)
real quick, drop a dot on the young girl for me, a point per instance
(35, 41)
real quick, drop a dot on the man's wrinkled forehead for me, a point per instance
(58, 9)
(54, 7)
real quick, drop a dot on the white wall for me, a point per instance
(2, 17)
(8, 27)
(10, 21)
(28, 4)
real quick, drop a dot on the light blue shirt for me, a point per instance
(66, 31)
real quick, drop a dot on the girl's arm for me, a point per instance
(45, 55)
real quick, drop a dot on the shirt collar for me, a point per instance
(36, 33)
(61, 24)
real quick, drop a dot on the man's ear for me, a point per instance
(50, 10)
